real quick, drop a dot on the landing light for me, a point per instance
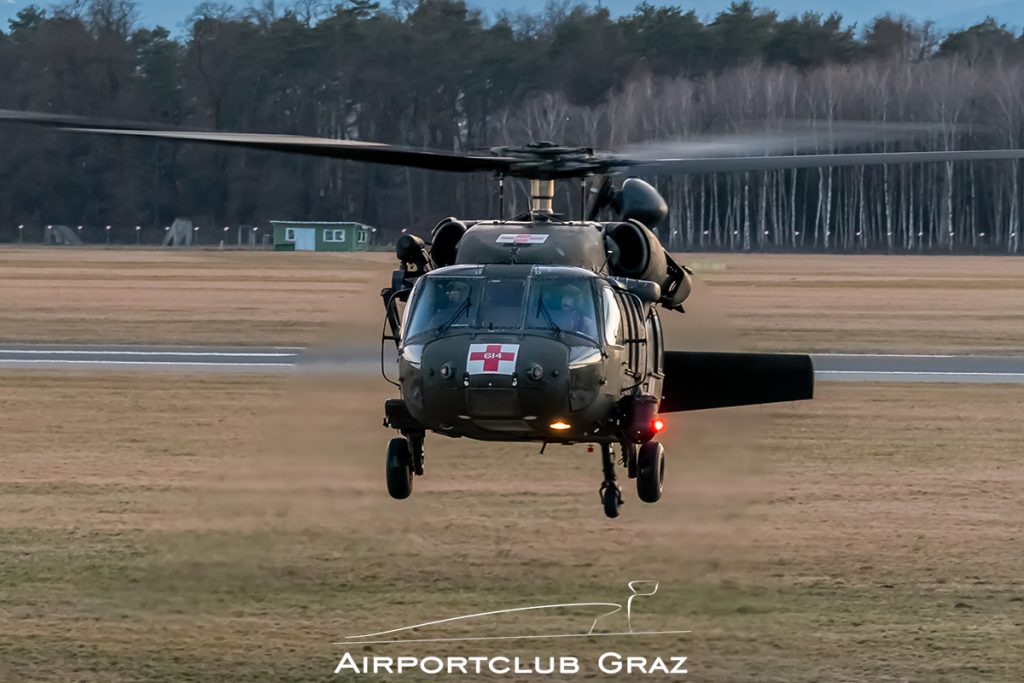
(560, 425)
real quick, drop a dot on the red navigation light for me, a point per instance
(658, 424)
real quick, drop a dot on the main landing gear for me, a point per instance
(611, 494)
(645, 463)
(404, 461)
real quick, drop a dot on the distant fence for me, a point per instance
(181, 233)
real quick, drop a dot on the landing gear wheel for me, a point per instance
(400, 471)
(611, 495)
(611, 498)
(650, 476)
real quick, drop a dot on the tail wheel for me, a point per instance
(399, 468)
(650, 475)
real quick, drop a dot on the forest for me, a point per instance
(437, 74)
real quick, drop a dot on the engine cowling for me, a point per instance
(637, 253)
(444, 241)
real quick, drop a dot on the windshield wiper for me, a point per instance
(541, 308)
(459, 312)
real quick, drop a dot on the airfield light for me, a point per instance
(20, 233)
(226, 228)
(167, 228)
(79, 228)
(560, 426)
(657, 425)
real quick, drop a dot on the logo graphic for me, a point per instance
(638, 589)
(492, 359)
(521, 238)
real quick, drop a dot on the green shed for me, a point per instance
(321, 236)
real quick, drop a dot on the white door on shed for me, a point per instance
(305, 239)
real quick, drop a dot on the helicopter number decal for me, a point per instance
(492, 359)
(521, 238)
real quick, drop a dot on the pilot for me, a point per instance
(455, 293)
(571, 315)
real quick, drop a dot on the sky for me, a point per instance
(949, 14)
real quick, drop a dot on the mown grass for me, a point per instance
(780, 302)
(172, 528)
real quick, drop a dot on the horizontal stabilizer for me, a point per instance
(698, 380)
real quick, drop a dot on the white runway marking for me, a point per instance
(140, 363)
(82, 352)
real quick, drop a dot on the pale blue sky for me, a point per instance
(949, 13)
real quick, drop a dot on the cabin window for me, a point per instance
(612, 318)
(654, 334)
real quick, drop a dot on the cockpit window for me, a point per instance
(502, 304)
(544, 302)
(564, 304)
(449, 302)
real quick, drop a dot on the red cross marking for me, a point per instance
(492, 356)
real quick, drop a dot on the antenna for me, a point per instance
(501, 196)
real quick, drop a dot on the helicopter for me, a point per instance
(542, 328)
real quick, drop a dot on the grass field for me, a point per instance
(232, 527)
(812, 303)
(162, 527)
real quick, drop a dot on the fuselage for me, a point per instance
(521, 352)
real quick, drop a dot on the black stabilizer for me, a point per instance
(700, 380)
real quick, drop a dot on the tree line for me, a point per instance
(435, 73)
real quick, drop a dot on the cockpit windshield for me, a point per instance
(444, 303)
(546, 301)
(563, 304)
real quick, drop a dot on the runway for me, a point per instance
(854, 367)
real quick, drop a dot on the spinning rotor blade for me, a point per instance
(798, 161)
(322, 147)
(544, 161)
(791, 138)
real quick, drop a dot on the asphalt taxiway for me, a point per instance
(847, 367)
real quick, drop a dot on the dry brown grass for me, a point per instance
(823, 303)
(873, 303)
(225, 527)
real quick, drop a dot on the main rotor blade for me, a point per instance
(792, 137)
(372, 152)
(774, 163)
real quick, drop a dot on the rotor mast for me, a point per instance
(542, 194)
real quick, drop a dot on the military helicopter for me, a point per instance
(538, 328)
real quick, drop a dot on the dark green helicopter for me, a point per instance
(539, 328)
